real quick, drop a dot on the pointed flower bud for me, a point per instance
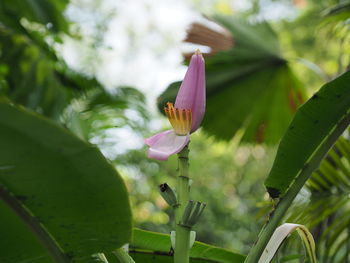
(185, 116)
(191, 94)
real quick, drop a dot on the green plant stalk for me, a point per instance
(287, 199)
(122, 256)
(182, 240)
(43, 236)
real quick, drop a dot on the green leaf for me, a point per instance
(147, 246)
(310, 126)
(61, 187)
(313, 132)
(17, 242)
(327, 212)
(250, 87)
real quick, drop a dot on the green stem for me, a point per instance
(122, 256)
(182, 240)
(294, 189)
(44, 237)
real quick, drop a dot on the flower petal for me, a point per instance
(153, 139)
(165, 144)
(191, 94)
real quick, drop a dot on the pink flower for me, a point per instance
(187, 114)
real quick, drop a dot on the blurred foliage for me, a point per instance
(47, 13)
(315, 42)
(31, 73)
(98, 114)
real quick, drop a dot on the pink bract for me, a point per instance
(191, 95)
(166, 144)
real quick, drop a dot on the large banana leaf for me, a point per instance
(150, 247)
(250, 87)
(17, 242)
(310, 126)
(327, 211)
(60, 188)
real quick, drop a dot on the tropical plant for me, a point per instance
(62, 201)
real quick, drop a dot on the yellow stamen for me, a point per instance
(180, 119)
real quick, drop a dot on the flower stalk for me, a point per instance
(182, 241)
(185, 117)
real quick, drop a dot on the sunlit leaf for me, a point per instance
(310, 126)
(326, 212)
